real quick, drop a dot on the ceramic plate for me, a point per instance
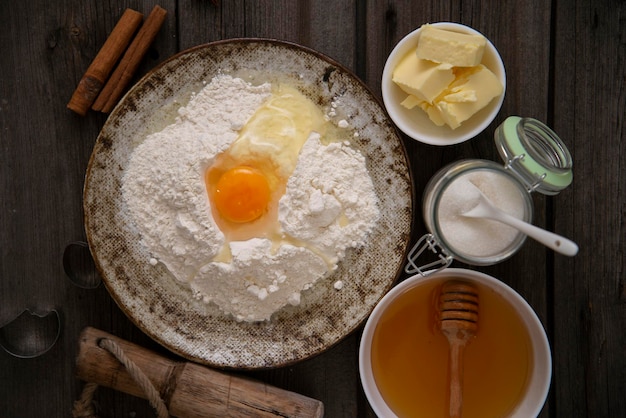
(166, 310)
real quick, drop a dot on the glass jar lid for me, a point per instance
(535, 154)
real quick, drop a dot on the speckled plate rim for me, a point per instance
(198, 331)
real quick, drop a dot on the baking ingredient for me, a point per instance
(165, 200)
(250, 257)
(472, 90)
(423, 79)
(410, 356)
(454, 48)
(431, 110)
(241, 194)
(322, 214)
(98, 71)
(330, 201)
(246, 181)
(444, 77)
(473, 236)
(128, 65)
(258, 279)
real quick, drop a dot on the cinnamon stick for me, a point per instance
(189, 390)
(122, 75)
(99, 70)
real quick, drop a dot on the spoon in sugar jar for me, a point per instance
(487, 210)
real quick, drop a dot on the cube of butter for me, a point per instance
(457, 49)
(472, 90)
(410, 102)
(421, 78)
(431, 110)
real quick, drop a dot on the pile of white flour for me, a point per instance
(329, 206)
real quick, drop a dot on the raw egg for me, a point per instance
(242, 194)
(246, 182)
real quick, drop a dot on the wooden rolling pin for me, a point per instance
(189, 390)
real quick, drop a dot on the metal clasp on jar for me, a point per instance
(530, 182)
(427, 242)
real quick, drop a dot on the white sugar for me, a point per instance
(473, 236)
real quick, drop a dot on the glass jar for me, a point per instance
(534, 159)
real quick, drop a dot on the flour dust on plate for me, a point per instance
(154, 267)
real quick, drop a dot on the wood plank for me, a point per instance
(307, 23)
(310, 24)
(564, 68)
(589, 98)
(526, 62)
(275, 19)
(45, 149)
(522, 37)
(428, 159)
(333, 30)
(200, 22)
(331, 377)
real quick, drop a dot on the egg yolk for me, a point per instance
(242, 194)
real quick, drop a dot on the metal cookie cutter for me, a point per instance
(79, 265)
(31, 333)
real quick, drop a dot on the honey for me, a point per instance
(410, 356)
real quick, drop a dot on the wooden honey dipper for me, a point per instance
(458, 319)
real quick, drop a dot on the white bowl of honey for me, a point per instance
(404, 357)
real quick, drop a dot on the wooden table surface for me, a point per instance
(565, 65)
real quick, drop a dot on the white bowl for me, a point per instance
(540, 374)
(414, 122)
